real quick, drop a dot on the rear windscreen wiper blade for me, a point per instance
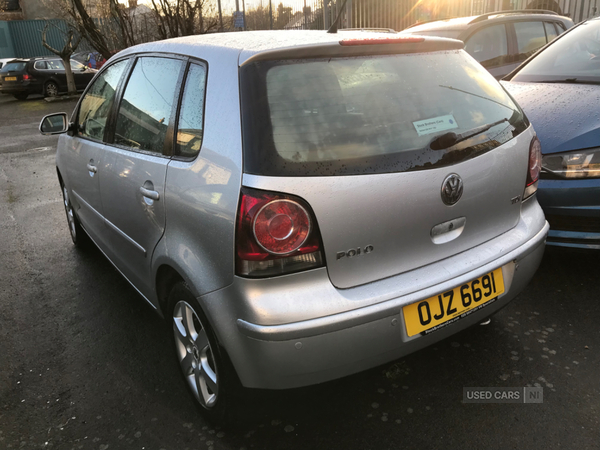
(449, 139)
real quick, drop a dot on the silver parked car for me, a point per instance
(302, 205)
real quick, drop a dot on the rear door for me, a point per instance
(357, 138)
(136, 165)
(489, 46)
(57, 72)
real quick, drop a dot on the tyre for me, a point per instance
(78, 235)
(21, 96)
(51, 89)
(205, 366)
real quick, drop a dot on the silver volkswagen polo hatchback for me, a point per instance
(301, 206)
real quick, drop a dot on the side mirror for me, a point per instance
(57, 123)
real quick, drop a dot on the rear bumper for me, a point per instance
(572, 208)
(331, 333)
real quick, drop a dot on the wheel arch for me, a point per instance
(168, 274)
(166, 278)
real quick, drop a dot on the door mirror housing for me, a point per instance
(57, 123)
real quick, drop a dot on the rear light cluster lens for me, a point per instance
(26, 77)
(535, 166)
(276, 234)
(281, 227)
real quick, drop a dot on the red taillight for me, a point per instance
(281, 227)
(275, 234)
(377, 41)
(535, 166)
(26, 77)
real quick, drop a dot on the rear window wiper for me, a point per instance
(449, 139)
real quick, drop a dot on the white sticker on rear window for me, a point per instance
(435, 124)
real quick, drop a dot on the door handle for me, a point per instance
(153, 195)
(92, 168)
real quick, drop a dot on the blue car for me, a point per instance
(559, 90)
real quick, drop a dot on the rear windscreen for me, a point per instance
(364, 115)
(14, 67)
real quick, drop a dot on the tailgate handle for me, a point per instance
(448, 231)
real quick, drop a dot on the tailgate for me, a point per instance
(370, 143)
(394, 214)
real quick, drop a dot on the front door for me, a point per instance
(85, 159)
(133, 184)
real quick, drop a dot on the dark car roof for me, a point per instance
(464, 23)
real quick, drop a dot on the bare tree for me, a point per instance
(87, 27)
(71, 42)
(109, 25)
(184, 17)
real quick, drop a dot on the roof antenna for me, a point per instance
(334, 28)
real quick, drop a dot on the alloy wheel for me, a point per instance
(51, 90)
(195, 355)
(70, 214)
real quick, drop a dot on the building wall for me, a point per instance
(11, 15)
(37, 9)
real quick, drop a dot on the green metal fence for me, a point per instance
(23, 38)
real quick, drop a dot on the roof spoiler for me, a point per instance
(369, 47)
(485, 16)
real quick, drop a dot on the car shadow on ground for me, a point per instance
(115, 326)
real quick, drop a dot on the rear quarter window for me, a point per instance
(364, 115)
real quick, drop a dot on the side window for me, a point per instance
(550, 31)
(147, 104)
(97, 102)
(190, 127)
(56, 64)
(40, 65)
(530, 37)
(489, 46)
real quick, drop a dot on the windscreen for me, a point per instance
(76, 65)
(14, 67)
(376, 114)
(575, 57)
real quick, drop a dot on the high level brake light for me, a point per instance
(276, 234)
(535, 166)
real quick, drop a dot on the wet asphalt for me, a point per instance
(86, 364)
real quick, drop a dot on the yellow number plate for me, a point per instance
(442, 310)
(10, 78)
